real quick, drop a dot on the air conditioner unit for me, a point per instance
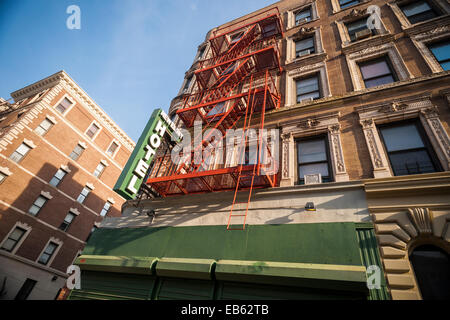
(303, 53)
(313, 178)
(300, 21)
(307, 99)
(363, 34)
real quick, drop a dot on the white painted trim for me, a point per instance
(115, 152)
(68, 97)
(74, 211)
(90, 186)
(29, 143)
(46, 195)
(5, 171)
(98, 131)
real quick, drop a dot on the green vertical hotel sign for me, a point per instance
(134, 172)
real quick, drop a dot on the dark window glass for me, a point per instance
(76, 153)
(37, 205)
(441, 52)
(407, 148)
(48, 253)
(304, 47)
(217, 109)
(67, 221)
(418, 11)
(269, 29)
(59, 175)
(236, 37)
(376, 72)
(347, 3)
(308, 88)
(358, 29)
(312, 158)
(303, 15)
(432, 270)
(63, 105)
(13, 239)
(188, 83)
(25, 290)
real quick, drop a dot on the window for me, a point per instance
(25, 290)
(236, 37)
(269, 29)
(217, 109)
(93, 129)
(303, 16)
(63, 105)
(347, 3)
(441, 52)
(312, 158)
(201, 52)
(84, 193)
(187, 84)
(304, 47)
(308, 88)
(13, 239)
(67, 221)
(358, 30)
(20, 152)
(76, 153)
(43, 128)
(376, 72)
(48, 253)
(59, 175)
(99, 170)
(418, 11)
(2, 177)
(431, 267)
(105, 208)
(408, 150)
(112, 148)
(37, 205)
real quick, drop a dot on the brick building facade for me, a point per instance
(370, 105)
(60, 155)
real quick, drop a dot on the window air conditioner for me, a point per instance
(363, 34)
(313, 178)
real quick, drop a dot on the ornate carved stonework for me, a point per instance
(422, 218)
(355, 13)
(309, 123)
(303, 31)
(377, 162)
(393, 107)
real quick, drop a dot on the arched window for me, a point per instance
(432, 269)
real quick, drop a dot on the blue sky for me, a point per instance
(130, 56)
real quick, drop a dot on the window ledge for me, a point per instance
(353, 6)
(301, 24)
(424, 26)
(310, 58)
(376, 40)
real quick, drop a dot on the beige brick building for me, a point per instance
(60, 155)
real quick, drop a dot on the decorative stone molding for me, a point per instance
(320, 124)
(29, 143)
(421, 217)
(104, 162)
(51, 119)
(82, 144)
(111, 200)
(46, 195)
(74, 211)
(307, 70)
(5, 171)
(370, 53)
(424, 39)
(407, 108)
(65, 168)
(90, 186)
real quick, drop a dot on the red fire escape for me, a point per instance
(235, 85)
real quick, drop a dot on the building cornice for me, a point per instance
(64, 79)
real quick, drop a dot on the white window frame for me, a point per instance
(353, 59)
(319, 53)
(51, 119)
(5, 172)
(98, 131)
(68, 97)
(290, 22)
(55, 253)
(30, 144)
(21, 225)
(117, 149)
(303, 72)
